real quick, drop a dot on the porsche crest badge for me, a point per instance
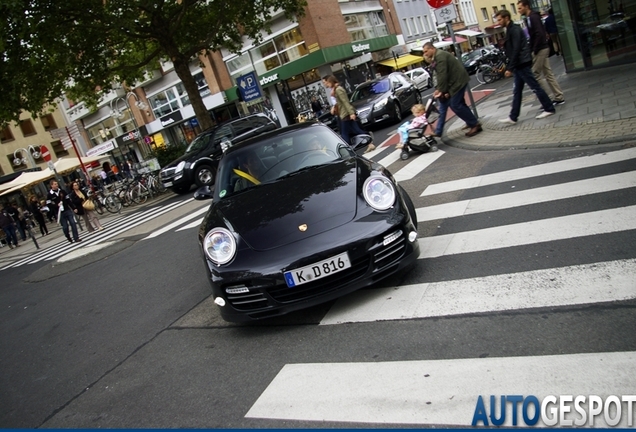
(302, 227)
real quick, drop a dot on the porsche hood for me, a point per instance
(292, 209)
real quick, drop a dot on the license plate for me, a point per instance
(318, 270)
(169, 184)
(364, 120)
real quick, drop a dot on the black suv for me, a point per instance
(199, 162)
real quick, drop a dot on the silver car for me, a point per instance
(420, 77)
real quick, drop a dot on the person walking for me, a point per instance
(316, 107)
(34, 208)
(89, 215)
(345, 111)
(60, 198)
(18, 219)
(553, 33)
(519, 64)
(8, 226)
(539, 44)
(450, 87)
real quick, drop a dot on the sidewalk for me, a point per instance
(600, 108)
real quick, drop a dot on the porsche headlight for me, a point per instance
(379, 192)
(381, 104)
(219, 245)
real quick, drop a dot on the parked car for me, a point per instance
(385, 98)
(274, 242)
(420, 77)
(473, 59)
(199, 163)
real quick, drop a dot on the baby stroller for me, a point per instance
(417, 140)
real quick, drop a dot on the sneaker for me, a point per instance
(556, 102)
(507, 121)
(370, 148)
(544, 114)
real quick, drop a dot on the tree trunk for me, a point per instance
(182, 69)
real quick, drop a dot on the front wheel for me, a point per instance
(480, 73)
(418, 97)
(204, 175)
(397, 112)
(99, 207)
(113, 205)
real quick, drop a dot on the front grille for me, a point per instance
(282, 293)
(167, 173)
(386, 255)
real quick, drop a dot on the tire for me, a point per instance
(204, 175)
(158, 186)
(480, 73)
(397, 112)
(404, 155)
(409, 206)
(138, 194)
(429, 83)
(124, 197)
(418, 97)
(99, 208)
(113, 205)
(490, 76)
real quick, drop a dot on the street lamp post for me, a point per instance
(117, 113)
(32, 153)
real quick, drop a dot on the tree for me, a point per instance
(52, 47)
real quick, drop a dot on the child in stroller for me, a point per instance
(412, 133)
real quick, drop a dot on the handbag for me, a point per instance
(88, 204)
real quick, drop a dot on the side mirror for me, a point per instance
(203, 193)
(361, 141)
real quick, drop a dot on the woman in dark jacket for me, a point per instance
(78, 198)
(34, 208)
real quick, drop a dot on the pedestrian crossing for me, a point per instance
(112, 228)
(444, 392)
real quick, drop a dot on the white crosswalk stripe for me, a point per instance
(444, 392)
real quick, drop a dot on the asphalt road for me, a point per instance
(130, 338)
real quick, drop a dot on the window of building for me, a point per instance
(366, 25)
(202, 84)
(513, 9)
(103, 131)
(48, 122)
(414, 26)
(168, 100)
(27, 128)
(58, 149)
(484, 13)
(406, 27)
(495, 9)
(503, 7)
(282, 49)
(6, 135)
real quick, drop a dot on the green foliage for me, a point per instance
(167, 154)
(49, 47)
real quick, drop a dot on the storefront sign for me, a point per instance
(268, 79)
(101, 149)
(171, 118)
(132, 136)
(360, 47)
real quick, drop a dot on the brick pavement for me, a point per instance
(600, 108)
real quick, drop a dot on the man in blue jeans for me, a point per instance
(520, 65)
(452, 80)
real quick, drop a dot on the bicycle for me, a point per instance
(108, 202)
(492, 68)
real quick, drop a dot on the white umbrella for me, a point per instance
(27, 178)
(64, 164)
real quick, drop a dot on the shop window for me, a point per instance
(48, 122)
(484, 13)
(6, 135)
(27, 128)
(59, 149)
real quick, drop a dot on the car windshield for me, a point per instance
(199, 143)
(367, 90)
(473, 55)
(277, 158)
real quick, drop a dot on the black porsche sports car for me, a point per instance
(298, 219)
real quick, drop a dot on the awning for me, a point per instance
(403, 61)
(494, 29)
(71, 163)
(458, 39)
(469, 33)
(442, 44)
